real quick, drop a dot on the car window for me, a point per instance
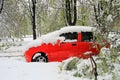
(70, 36)
(87, 36)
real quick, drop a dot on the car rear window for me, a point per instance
(87, 36)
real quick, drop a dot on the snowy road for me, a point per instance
(16, 68)
(12, 69)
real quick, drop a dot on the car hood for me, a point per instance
(44, 39)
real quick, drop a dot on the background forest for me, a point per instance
(16, 16)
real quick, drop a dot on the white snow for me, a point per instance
(18, 70)
(77, 29)
(89, 52)
(109, 18)
(14, 67)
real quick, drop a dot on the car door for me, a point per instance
(69, 47)
(84, 44)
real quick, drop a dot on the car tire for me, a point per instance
(39, 57)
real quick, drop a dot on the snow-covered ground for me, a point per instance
(14, 67)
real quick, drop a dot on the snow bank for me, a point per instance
(106, 68)
(12, 69)
(16, 70)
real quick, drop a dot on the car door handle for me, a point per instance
(73, 44)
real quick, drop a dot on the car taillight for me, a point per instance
(94, 45)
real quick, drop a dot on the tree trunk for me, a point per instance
(1, 8)
(71, 12)
(34, 19)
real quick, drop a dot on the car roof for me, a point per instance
(77, 29)
(67, 29)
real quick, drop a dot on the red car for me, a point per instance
(71, 41)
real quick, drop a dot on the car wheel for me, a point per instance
(39, 57)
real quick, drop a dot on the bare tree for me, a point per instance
(33, 18)
(1, 5)
(71, 12)
(106, 12)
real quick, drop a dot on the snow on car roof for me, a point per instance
(67, 29)
(77, 29)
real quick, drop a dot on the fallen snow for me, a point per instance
(109, 18)
(18, 70)
(14, 67)
(77, 29)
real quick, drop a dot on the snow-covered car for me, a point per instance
(70, 41)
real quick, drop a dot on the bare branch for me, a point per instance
(94, 66)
